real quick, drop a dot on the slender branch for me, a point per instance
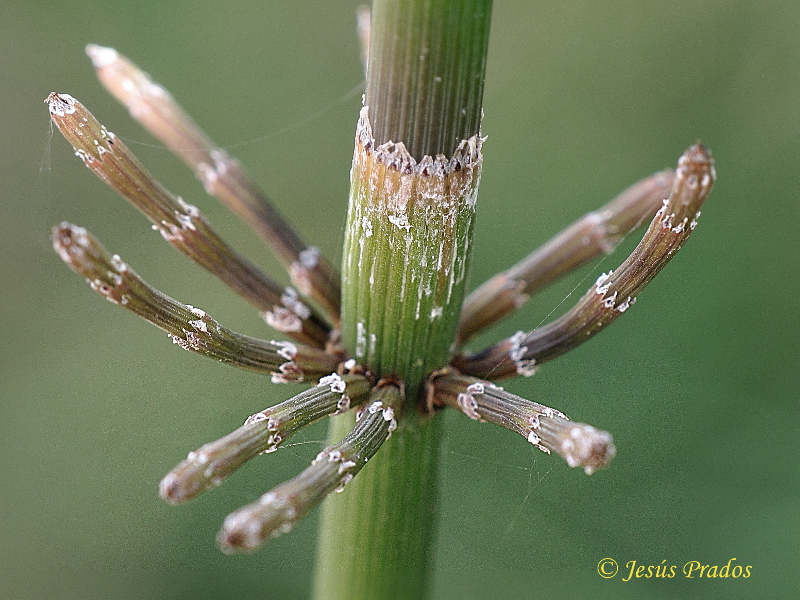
(579, 444)
(596, 232)
(614, 292)
(181, 224)
(262, 433)
(277, 511)
(223, 177)
(189, 327)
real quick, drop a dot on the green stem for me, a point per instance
(414, 183)
(425, 73)
(376, 536)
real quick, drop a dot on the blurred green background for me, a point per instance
(698, 384)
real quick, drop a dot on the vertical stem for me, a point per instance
(376, 536)
(425, 72)
(414, 183)
(406, 255)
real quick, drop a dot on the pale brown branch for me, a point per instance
(614, 292)
(277, 511)
(223, 176)
(595, 233)
(579, 444)
(189, 327)
(263, 432)
(181, 224)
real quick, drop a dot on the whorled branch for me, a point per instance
(189, 327)
(579, 444)
(223, 177)
(181, 224)
(614, 292)
(262, 433)
(595, 233)
(277, 511)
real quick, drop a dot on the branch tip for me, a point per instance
(101, 56)
(277, 511)
(189, 327)
(60, 105)
(579, 444)
(262, 433)
(221, 175)
(180, 223)
(614, 292)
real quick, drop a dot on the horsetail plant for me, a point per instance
(382, 344)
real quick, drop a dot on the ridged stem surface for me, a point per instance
(414, 183)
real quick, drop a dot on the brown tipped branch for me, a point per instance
(223, 177)
(595, 233)
(181, 224)
(189, 327)
(262, 433)
(277, 511)
(614, 292)
(579, 444)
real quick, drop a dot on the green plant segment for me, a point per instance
(376, 537)
(382, 344)
(414, 185)
(425, 74)
(409, 233)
